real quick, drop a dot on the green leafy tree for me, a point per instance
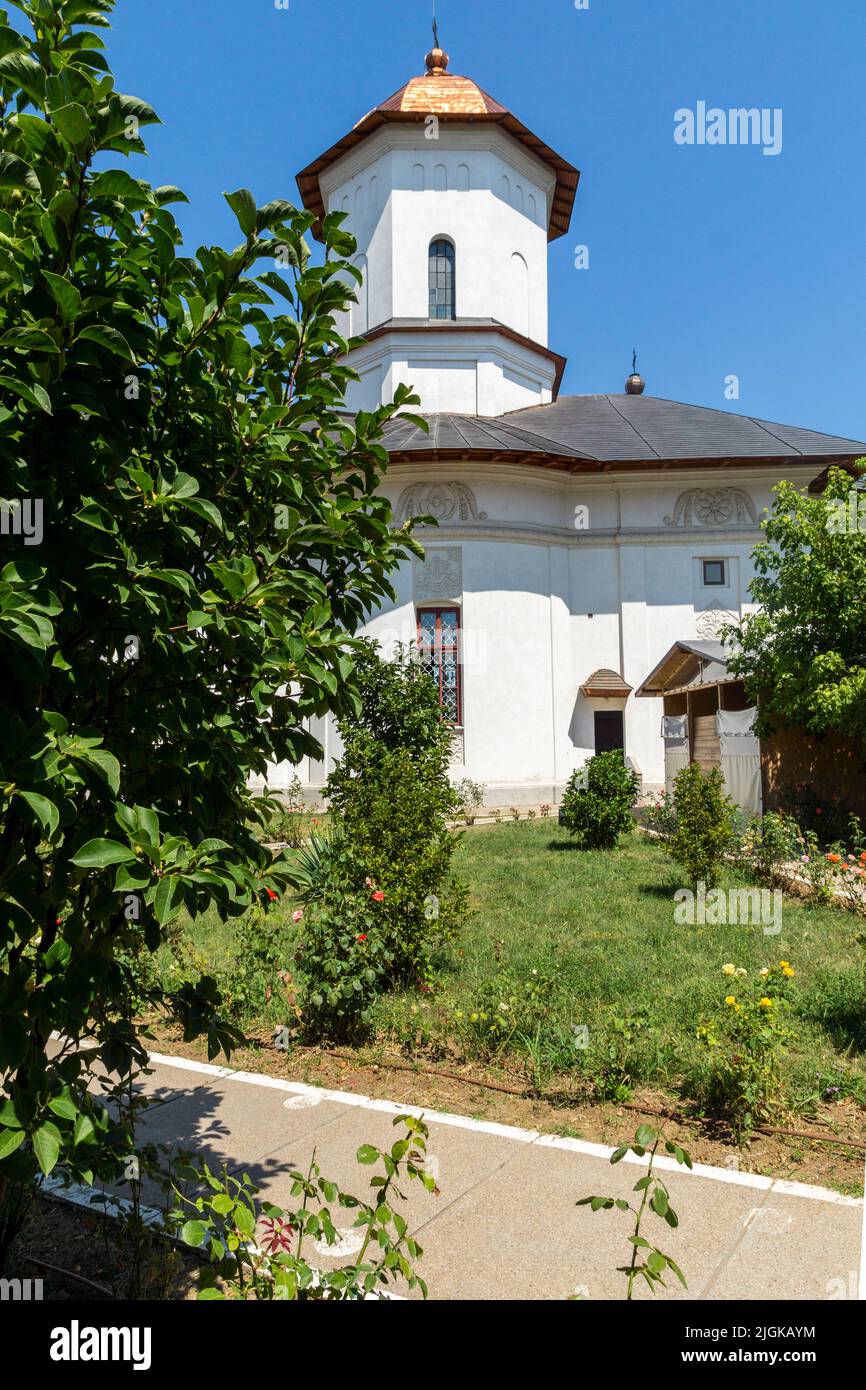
(803, 654)
(212, 539)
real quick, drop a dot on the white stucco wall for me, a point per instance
(543, 605)
(482, 190)
(555, 575)
(478, 187)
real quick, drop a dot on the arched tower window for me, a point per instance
(440, 278)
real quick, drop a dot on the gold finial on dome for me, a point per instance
(437, 58)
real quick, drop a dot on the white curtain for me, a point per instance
(675, 760)
(743, 781)
(740, 758)
(675, 729)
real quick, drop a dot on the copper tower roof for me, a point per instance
(449, 97)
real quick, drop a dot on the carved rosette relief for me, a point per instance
(444, 501)
(713, 506)
(711, 622)
(439, 576)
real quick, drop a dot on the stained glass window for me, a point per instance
(440, 279)
(439, 644)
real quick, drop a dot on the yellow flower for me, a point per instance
(730, 1001)
(786, 970)
(765, 1003)
(784, 963)
(729, 970)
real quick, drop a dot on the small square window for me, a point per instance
(714, 572)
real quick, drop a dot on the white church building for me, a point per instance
(579, 537)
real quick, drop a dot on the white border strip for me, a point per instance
(521, 1136)
(100, 1202)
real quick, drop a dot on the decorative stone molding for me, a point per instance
(711, 622)
(713, 506)
(444, 501)
(439, 575)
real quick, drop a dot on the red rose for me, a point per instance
(378, 896)
(362, 937)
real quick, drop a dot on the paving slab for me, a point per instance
(506, 1224)
(522, 1235)
(454, 1157)
(225, 1123)
(794, 1248)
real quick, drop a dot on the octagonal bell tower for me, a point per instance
(452, 202)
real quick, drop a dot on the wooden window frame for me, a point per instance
(439, 609)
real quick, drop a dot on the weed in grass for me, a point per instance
(615, 1063)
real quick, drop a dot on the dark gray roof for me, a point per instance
(620, 429)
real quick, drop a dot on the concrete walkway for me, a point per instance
(506, 1225)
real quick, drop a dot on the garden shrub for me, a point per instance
(743, 1046)
(470, 798)
(768, 846)
(393, 799)
(287, 822)
(597, 803)
(614, 1060)
(343, 953)
(257, 970)
(705, 824)
(660, 815)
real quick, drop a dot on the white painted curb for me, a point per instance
(520, 1136)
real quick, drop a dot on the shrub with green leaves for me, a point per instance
(470, 797)
(344, 955)
(212, 537)
(252, 979)
(768, 845)
(705, 824)
(597, 803)
(660, 815)
(393, 798)
(743, 1044)
(506, 1009)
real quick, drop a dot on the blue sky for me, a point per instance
(712, 261)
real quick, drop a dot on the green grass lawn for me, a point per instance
(593, 934)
